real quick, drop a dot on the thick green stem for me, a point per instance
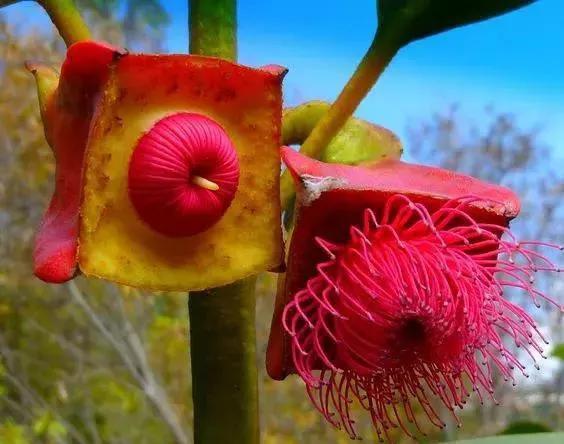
(222, 320)
(213, 28)
(65, 17)
(381, 51)
(224, 369)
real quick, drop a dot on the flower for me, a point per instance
(405, 302)
(168, 169)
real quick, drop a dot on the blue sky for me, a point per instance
(514, 62)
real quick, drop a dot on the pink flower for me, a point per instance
(408, 306)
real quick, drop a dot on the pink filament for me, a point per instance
(411, 309)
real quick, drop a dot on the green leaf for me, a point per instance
(11, 433)
(522, 427)
(558, 351)
(46, 426)
(416, 19)
(8, 3)
(56, 431)
(41, 423)
(532, 438)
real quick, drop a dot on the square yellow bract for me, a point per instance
(114, 243)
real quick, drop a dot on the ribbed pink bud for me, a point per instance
(183, 174)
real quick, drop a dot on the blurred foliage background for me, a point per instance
(91, 362)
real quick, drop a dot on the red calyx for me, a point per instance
(183, 175)
(68, 116)
(394, 291)
(85, 68)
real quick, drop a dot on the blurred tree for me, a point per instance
(141, 21)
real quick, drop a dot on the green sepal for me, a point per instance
(46, 80)
(358, 142)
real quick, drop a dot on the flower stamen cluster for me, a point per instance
(411, 311)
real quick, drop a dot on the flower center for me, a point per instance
(412, 332)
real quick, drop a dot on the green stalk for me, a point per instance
(224, 369)
(65, 17)
(383, 48)
(213, 28)
(67, 20)
(222, 320)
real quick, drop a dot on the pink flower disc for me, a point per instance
(183, 174)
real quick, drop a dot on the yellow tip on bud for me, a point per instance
(205, 183)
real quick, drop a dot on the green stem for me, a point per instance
(224, 368)
(222, 320)
(213, 28)
(67, 20)
(381, 51)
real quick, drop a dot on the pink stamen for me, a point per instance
(409, 309)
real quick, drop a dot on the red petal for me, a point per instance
(394, 176)
(68, 115)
